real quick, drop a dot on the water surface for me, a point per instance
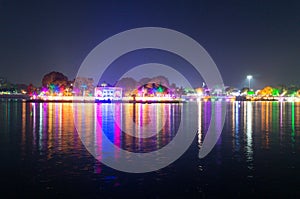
(257, 154)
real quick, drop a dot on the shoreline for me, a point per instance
(25, 98)
(152, 102)
(106, 101)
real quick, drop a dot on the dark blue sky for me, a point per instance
(261, 38)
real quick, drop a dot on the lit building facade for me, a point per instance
(108, 93)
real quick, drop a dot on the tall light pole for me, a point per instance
(249, 77)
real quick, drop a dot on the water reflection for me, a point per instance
(249, 141)
(23, 125)
(293, 122)
(93, 119)
(200, 137)
(49, 127)
(48, 123)
(41, 149)
(235, 120)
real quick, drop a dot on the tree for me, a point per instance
(144, 80)
(83, 86)
(229, 90)
(153, 89)
(292, 90)
(128, 84)
(244, 91)
(55, 81)
(266, 91)
(31, 90)
(161, 80)
(55, 78)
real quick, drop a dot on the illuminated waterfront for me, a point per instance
(256, 155)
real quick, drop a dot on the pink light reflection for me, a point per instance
(117, 130)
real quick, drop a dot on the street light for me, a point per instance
(249, 77)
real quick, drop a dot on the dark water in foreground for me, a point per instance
(257, 154)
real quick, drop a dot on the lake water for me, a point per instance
(43, 155)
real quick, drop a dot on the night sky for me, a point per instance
(255, 37)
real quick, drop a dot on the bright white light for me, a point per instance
(249, 77)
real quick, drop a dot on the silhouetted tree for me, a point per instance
(128, 84)
(161, 80)
(144, 80)
(55, 78)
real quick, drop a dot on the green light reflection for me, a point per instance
(293, 122)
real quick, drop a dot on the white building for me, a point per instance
(108, 93)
